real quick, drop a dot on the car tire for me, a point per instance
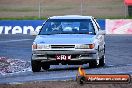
(93, 64)
(45, 66)
(36, 65)
(102, 61)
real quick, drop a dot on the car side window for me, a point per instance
(91, 28)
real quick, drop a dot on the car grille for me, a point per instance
(62, 46)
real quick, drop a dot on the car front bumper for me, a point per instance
(77, 55)
(64, 51)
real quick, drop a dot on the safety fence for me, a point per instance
(112, 26)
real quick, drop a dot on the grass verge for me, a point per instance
(44, 18)
(25, 18)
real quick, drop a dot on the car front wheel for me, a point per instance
(102, 61)
(36, 66)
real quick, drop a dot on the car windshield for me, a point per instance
(67, 26)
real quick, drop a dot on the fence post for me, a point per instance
(39, 10)
(82, 7)
(126, 11)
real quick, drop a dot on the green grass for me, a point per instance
(18, 10)
(24, 18)
(44, 18)
(114, 17)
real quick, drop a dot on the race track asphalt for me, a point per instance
(118, 59)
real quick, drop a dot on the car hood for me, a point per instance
(65, 39)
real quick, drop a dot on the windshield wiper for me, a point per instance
(62, 33)
(83, 33)
(50, 34)
(68, 33)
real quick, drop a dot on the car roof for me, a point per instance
(71, 17)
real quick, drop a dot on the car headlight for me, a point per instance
(40, 46)
(34, 46)
(43, 46)
(85, 46)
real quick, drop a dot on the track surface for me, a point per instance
(118, 59)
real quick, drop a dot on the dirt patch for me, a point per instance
(64, 84)
(13, 66)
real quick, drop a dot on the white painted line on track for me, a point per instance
(8, 41)
(119, 65)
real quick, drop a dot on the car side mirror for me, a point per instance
(34, 33)
(101, 32)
